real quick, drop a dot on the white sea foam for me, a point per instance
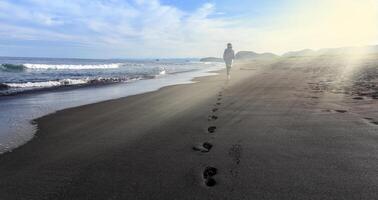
(47, 83)
(162, 72)
(73, 67)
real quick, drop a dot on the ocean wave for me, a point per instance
(3, 86)
(72, 67)
(19, 87)
(44, 84)
(12, 67)
(160, 71)
(163, 72)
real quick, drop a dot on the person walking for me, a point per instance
(228, 57)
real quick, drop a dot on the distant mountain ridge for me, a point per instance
(333, 51)
(251, 55)
(211, 59)
(304, 52)
(243, 55)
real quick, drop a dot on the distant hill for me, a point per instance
(211, 59)
(250, 55)
(301, 53)
(333, 51)
(349, 50)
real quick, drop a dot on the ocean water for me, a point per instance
(33, 87)
(18, 75)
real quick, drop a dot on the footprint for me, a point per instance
(218, 104)
(212, 117)
(219, 99)
(208, 174)
(334, 111)
(206, 146)
(211, 129)
(210, 182)
(358, 98)
(371, 120)
(235, 153)
(215, 109)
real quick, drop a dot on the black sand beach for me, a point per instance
(274, 131)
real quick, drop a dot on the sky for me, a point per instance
(181, 28)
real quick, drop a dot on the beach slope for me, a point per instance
(271, 132)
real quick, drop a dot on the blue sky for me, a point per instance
(178, 28)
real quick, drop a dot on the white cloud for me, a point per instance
(25, 33)
(146, 28)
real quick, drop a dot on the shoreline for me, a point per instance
(192, 81)
(27, 129)
(91, 84)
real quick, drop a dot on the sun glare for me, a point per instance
(330, 23)
(353, 21)
(338, 23)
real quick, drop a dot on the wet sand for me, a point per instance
(271, 132)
